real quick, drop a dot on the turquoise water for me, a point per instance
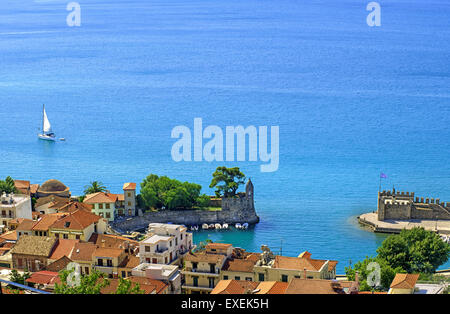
(350, 101)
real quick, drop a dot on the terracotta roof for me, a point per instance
(313, 286)
(22, 186)
(239, 265)
(49, 199)
(130, 261)
(77, 220)
(118, 197)
(299, 263)
(33, 245)
(83, 252)
(26, 224)
(100, 197)
(112, 241)
(46, 221)
(272, 287)
(218, 246)
(148, 285)
(34, 188)
(64, 247)
(9, 236)
(44, 278)
(404, 281)
(234, 287)
(107, 252)
(59, 264)
(129, 186)
(72, 206)
(305, 254)
(158, 285)
(204, 257)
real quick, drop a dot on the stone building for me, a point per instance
(53, 187)
(31, 252)
(395, 205)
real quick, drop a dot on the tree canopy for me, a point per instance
(227, 181)
(94, 187)
(7, 186)
(387, 274)
(93, 284)
(159, 192)
(415, 250)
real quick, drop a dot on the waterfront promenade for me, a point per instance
(395, 226)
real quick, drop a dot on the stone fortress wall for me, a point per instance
(238, 209)
(395, 205)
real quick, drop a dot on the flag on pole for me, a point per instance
(383, 176)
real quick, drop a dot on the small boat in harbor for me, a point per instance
(211, 226)
(245, 226)
(47, 133)
(205, 226)
(238, 226)
(218, 226)
(225, 226)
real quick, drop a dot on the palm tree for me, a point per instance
(94, 187)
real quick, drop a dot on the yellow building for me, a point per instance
(403, 284)
(202, 270)
(108, 260)
(284, 268)
(82, 255)
(79, 225)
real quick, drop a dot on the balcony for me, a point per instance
(202, 288)
(196, 271)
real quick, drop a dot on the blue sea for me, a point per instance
(350, 101)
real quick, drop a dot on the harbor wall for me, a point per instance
(188, 218)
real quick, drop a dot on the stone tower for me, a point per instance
(129, 192)
(249, 194)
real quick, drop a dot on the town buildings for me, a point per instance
(13, 206)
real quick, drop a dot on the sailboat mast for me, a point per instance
(43, 112)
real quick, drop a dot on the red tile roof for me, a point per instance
(83, 252)
(63, 247)
(100, 197)
(44, 278)
(129, 186)
(77, 220)
(404, 281)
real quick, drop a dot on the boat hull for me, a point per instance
(46, 137)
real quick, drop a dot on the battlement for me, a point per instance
(400, 205)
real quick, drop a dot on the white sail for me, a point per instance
(46, 126)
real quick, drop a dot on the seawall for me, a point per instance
(188, 218)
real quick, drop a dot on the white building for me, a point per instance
(170, 274)
(165, 243)
(14, 206)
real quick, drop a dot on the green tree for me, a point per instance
(202, 245)
(416, 251)
(7, 186)
(126, 287)
(94, 187)
(89, 284)
(227, 181)
(159, 192)
(18, 278)
(387, 273)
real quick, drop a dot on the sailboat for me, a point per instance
(47, 133)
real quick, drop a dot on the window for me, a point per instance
(124, 274)
(65, 236)
(154, 261)
(284, 278)
(176, 241)
(147, 248)
(19, 262)
(147, 260)
(57, 235)
(100, 206)
(108, 206)
(100, 262)
(195, 281)
(165, 260)
(212, 268)
(194, 266)
(248, 278)
(129, 194)
(77, 237)
(129, 203)
(129, 274)
(86, 270)
(211, 282)
(260, 277)
(225, 277)
(108, 215)
(237, 278)
(109, 263)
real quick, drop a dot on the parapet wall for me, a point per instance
(188, 218)
(394, 205)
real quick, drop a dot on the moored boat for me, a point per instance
(245, 226)
(218, 226)
(47, 133)
(225, 226)
(211, 226)
(205, 226)
(238, 226)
